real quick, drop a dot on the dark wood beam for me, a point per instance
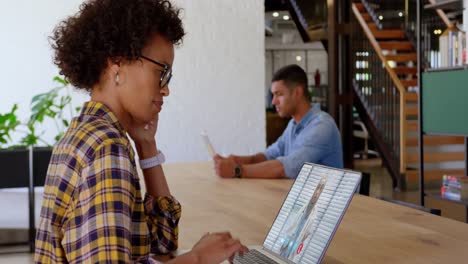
(275, 5)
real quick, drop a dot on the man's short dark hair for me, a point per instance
(293, 75)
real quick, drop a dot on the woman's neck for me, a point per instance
(99, 94)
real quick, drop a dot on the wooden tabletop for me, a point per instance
(372, 231)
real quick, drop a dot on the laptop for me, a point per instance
(308, 218)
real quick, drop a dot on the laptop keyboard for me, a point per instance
(253, 257)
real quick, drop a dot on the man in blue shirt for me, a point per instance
(311, 135)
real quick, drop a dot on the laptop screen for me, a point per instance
(311, 213)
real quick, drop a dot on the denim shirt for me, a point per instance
(314, 139)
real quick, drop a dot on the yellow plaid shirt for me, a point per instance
(93, 210)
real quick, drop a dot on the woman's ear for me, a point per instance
(114, 71)
(113, 65)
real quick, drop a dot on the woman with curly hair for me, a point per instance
(121, 52)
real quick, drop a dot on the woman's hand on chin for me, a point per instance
(144, 136)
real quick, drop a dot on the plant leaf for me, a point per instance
(38, 97)
(61, 80)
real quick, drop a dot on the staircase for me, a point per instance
(444, 154)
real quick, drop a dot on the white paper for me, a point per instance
(208, 144)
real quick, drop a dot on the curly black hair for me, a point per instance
(110, 29)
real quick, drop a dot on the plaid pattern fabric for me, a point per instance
(93, 210)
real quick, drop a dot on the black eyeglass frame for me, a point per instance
(167, 70)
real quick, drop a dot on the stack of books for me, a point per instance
(452, 46)
(454, 187)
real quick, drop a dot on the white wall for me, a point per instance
(218, 82)
(26, 67)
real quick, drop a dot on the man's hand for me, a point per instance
(224, 167)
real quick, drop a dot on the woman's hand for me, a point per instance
(144, 137)
(217, 247)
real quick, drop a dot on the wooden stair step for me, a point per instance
(411, 97)
(435, 140)
(412, 126)
(402, 57)
(403, 70)
(409, 83)
(372, 26)
(432, 178)
(389, 34)
(411, 110)
(366, 17)
(360, 7)
(396, 45)
(436, 157)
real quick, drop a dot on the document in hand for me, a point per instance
(208, 144)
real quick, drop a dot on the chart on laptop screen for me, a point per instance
(311, 212)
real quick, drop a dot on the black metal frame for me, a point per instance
(422, 44)
(377, 140)
(32, 208)
(302, 31)
(466, 155)
(420, 102)
(30, 167)
(378, 100)
(428, 21)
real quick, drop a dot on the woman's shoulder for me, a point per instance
(86, 138)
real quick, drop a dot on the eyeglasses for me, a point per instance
(166, 73)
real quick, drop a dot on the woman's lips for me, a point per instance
(158, 105)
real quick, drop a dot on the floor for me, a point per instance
(381, 181)
(381, 186)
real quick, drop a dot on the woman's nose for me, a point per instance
(165, 90)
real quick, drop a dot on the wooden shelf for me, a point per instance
(438, 196)
(446, 5)
(438, 87)
(444, 134)
(455, 68)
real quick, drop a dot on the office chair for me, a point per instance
(360, 131)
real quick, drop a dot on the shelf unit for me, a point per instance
(441, 112)
(464, 67)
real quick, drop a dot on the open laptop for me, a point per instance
(308, 218)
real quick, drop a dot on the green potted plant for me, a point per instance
(14, 157)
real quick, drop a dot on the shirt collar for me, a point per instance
(311, 114)
(100, 110)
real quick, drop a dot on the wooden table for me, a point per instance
(372, 231)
